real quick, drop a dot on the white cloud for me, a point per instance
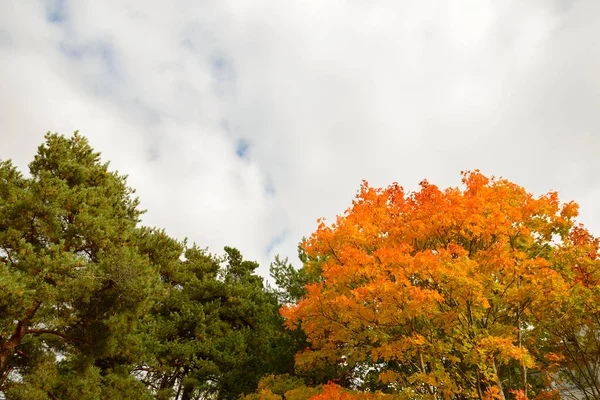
(323, 94)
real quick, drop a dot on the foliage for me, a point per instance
(480, 292)
(216, 331)
(292, 282)
(572, 327)
(73, 281)
(287, 387)
(441, 293)
(95, 306)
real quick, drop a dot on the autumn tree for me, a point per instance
(572, 327)
(440, 293)
(290, 287)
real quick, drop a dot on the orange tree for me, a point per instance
(442, 293)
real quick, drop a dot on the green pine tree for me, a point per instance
(73, 281)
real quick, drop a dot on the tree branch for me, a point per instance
(55, 333)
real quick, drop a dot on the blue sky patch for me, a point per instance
(241, 148)
(56, 11)
(277, 240)
(222, 68)
(218, 63)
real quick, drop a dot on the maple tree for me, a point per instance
(446, 293)
(572, 327)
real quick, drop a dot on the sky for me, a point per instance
(240, 122)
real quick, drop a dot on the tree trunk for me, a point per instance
(498, 382)
(8, 349)
(520, 337)
(479, 393)
(424, 371)
(187, 392)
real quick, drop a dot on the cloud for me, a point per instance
(241, 122)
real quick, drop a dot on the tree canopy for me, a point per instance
(95, 306)
(483, 291)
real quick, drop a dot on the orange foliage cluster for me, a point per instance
(443, 291)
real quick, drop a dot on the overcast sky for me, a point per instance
(240, 122)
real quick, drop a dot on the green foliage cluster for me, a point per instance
(95, 306)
